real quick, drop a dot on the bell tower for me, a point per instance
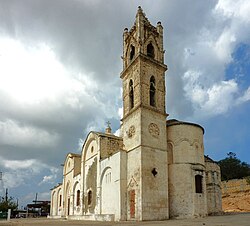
(144, 120)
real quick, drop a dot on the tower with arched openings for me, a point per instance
(155, 169)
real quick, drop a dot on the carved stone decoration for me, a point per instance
(154, 130)
(132, 183)
(131, 131)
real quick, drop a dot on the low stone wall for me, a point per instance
(236, 185)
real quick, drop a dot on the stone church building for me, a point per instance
(156, 169)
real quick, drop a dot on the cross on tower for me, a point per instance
(108, 124)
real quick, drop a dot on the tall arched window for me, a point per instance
(60, 200)
(198, 183)
(132, 52)
(150, 50)
(131, 94)
(78, 198)
(152, 91)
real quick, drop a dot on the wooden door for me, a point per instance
(132, 203)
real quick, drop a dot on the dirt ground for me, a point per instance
(236, 202)
(241, 219)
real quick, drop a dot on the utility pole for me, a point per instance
(1, 185)
(36, 199)
(6, 195)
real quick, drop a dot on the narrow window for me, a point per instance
(152, 91)
(131, 94)
(89, 197)
(78, 198)
(60, 200)
(150, 50)
(132, 52)
(198, 184)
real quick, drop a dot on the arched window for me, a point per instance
(89, 197)
(152, 91)
(132, 52)
(150, 50)
(131, 94)
(78, 198)
(198, 183)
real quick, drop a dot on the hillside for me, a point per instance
(236, 196)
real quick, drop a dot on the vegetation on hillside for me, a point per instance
(233, 168)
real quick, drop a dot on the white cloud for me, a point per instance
(49, 179)
(223, 46)
(206, 59)
(38, 76)
(117, 132)
(244, 98)
(209, 101)
(80, 144)
(120, 112)
(238, 9)
(12, 133)
(18, 164)
(16, 172)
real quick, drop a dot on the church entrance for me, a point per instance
(132, 203)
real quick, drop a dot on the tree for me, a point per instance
(7, 203)
(232, 168)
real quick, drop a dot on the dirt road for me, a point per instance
(242, 219)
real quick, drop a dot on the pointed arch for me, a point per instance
(131, 94)
(76, 191)
(152, 91)
(132, 52)
(150, 50)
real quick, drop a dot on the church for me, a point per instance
(156, 168)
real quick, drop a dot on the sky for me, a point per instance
(60, 64)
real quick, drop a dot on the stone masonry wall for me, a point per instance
(236, 185)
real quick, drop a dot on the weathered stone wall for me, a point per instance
(186, 153)
(77, 166)
(91, 186)
(236, 185)
(146, 153)
(89, 169)
(213, 183)
(134, 208)
(109, 145)
(154, 184)
(71, 168)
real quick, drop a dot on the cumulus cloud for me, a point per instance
(16, 135)
(245, 97)
(204, 61)
(211, 101)
(17, 172)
